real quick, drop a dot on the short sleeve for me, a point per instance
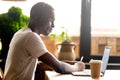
(34, 45)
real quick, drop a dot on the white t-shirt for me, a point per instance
(24, 50)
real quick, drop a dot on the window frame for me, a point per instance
(85, 38)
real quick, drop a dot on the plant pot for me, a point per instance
(66, 51)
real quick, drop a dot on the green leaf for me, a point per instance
(52, 36)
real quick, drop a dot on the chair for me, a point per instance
(1, 74)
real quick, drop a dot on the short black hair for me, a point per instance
(41, 12)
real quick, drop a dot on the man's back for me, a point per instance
(21, 64)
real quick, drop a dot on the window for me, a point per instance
(67, 15)
(105, 26)
(67, 12)
(100, 27)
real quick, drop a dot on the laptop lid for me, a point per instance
(105, 58)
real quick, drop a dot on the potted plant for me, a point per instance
(65, 46)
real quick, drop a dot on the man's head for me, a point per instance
(42, 18)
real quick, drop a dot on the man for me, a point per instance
(26, 47)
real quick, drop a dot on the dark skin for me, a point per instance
(47, 59)
(45, 29)
(47, 65)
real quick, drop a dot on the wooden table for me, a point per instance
(109, 75)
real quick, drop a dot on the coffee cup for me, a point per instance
(95, 67)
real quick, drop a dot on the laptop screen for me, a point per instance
(105, 58)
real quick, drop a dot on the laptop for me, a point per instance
(105, 59)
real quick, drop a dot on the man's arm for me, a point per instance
(59, 66)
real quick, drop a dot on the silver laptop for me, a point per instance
(105, 60)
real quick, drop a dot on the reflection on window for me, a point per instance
(105, 26)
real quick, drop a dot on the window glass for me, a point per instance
(105, 26)
(67, 12)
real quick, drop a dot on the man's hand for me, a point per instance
(80, 66)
